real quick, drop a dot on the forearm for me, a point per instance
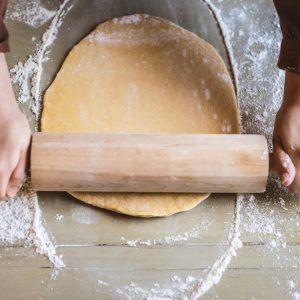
(7, 99)
(291, 95)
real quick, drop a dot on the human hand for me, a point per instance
(15, 136)
(286, 136)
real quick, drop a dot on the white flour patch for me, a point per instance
(20, 221)
(16, 215)
(296, 295)
(85, 215)
(30, 12)
(129, 20)
(101, 282)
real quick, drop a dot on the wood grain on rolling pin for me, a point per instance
(189, 163)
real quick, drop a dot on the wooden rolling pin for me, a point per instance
(183, 163)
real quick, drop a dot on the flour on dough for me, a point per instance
(141, 74)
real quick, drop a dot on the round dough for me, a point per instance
(141, 74)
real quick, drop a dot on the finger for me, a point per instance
(8, 161)
(295, 186)
(4, 178)
(17, 177)
(283, 164)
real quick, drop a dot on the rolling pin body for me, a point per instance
(182, 163)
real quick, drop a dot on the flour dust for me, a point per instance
(21, 219)
(30, 12)
(20, 222)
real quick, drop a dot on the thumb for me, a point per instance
(18, 176)
(283, 164)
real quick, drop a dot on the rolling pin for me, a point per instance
(176, 163)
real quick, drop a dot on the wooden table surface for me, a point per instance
(98, 246)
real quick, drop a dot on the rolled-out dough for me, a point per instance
(141, 74)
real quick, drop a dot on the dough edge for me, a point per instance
(107, 201)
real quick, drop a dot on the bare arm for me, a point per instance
(286, 136)
(15, 137)
(6, 93)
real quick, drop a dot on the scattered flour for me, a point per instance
(261, 219)
(101, 282)
(30, 12)
(293, 293)
(58, 217)
(41, 240)
(27, 75)
(20, 217)
(291, 284)
(170, 239)
(129, 20)
(296, 295)
(16, 215)
(20, 221)
(134, 37)
(225, 32)
(260, 81)
(191, 287)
